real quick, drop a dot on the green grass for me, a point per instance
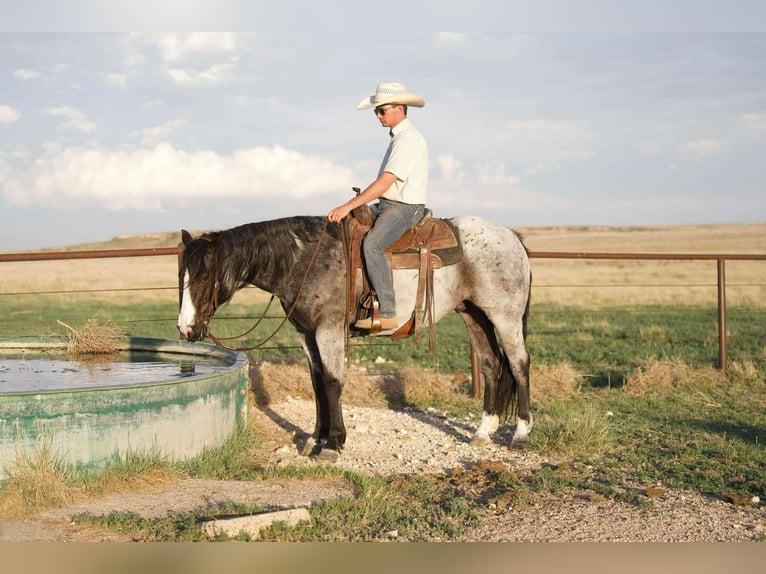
(612, 437)
(612, 443)
(607, 443)
(606, 343)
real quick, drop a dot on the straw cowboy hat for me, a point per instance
(391, 93)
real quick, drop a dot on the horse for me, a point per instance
(300, 260)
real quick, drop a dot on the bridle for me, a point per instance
(212, 304)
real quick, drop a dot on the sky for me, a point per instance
(106, 134)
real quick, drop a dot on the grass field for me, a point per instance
(636, 339)
(605, 316)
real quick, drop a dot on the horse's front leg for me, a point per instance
(324, 350)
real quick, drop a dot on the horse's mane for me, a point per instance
(266, 249)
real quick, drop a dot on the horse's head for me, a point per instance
(200, 290)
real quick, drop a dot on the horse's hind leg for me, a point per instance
(483, 343)
(512, 335)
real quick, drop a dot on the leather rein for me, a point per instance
(212, 304)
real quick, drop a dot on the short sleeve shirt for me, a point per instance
(407, 159)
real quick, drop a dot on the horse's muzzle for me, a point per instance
(192, 333)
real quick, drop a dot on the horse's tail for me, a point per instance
(506, 397)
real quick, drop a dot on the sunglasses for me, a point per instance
(382, 111)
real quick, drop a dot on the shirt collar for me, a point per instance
(402, 125)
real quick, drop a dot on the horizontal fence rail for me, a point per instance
(719, 258)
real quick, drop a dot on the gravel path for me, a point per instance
(385, 442)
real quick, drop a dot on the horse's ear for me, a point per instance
(186, 237)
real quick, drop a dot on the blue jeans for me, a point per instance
(394, 218)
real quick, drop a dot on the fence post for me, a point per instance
(722, 314)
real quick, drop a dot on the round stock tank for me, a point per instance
(152, 396)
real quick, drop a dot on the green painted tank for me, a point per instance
(193, 400)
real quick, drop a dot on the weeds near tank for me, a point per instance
(96, 337)
(40, 480)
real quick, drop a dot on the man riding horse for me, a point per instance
(400, 187)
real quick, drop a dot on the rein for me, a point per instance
(213, 304)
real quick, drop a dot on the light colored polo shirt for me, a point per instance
(407, 158)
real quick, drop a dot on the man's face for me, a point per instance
(389, 115)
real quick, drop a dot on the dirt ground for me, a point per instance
(384, 441)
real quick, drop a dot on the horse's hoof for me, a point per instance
(480, 440)
(327, 455)
(518, 443)
(307, 447)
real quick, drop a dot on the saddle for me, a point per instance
(431, 244)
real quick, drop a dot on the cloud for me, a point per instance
(163, 177)
(151, 136)
(26, 74)
(8, 115)
(451, 38)
(493, 173)
(210, 76)
(703, 147)
(200, 59)
(546, 145)
(72, 119)
(117, 80)
(755, 121)
(450, 169)
(179, 47)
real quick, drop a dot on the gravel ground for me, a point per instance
(383, 441)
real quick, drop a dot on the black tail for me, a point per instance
(506, 398)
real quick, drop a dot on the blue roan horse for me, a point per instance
(489, 288)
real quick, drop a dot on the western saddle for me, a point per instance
(431, 244)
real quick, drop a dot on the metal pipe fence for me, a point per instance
(720, 260)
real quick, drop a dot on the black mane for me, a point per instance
(260, 253)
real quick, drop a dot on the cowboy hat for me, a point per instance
(391, 93)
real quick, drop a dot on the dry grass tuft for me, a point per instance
(274, 383)
(425, 387)
(97, 337)
(39, 480)
(553, 383)
(663, 377)
(118, 482)
(564, 432)
(42, 480)
(745, 371)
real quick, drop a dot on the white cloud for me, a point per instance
(493, 173)
(200, 59)
(450, 169)
(703, 147)
(755, 121)
(72, 119)
(151, 136)
(117, 80)
(545, 145)
(163, 177)
(209, 76)
(26, 74)
(8, 115)
(177, 47)
(451, 38)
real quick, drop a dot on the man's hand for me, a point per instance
(376, 189)
(337, 214)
